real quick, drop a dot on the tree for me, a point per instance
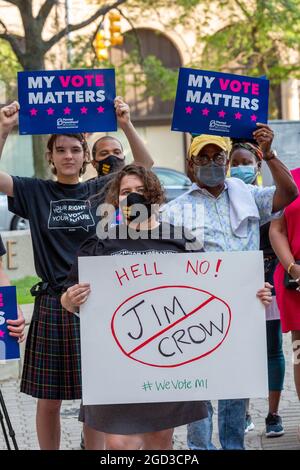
(256, 39)
(31, 49)
(148, 70)
(9, 66)
(260, 38)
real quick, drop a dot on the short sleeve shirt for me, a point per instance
(208, 217)
(61, 217)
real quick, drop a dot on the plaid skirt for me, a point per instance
(52, 367)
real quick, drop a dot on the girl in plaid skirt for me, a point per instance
(61, 218)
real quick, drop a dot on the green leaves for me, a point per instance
(261, 37)
(9, 66)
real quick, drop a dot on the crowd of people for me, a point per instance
(240, 215)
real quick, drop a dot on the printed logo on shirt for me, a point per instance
(70, 214)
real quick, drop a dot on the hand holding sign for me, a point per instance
(9, 348)
(264, 137)
(75, 296)
(16, 327)
(122, 111)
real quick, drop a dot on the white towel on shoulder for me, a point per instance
(242, 206)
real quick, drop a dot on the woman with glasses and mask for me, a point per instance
(232, 214)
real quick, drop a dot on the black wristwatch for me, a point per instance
(270, 155)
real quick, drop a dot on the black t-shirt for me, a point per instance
(164, 239)
(2, 249)
(265, 243)
(270, 259)
(61, 217)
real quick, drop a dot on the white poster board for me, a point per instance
(171, 328)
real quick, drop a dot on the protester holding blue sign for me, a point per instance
(245, 164)
(61, 218)
(233, 213)
(108, 153)
(15, 327)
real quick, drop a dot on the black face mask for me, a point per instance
(109, 165)
(131, 213)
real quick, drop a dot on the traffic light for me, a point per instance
(116, 38)
(100, 46)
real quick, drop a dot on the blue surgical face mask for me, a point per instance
(246, 173)
(211, 175)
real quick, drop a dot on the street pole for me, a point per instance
(67, 22)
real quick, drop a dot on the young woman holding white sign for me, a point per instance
(146, 425)
(61, 218)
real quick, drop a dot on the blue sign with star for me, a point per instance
(9, 346)
(219, 103)
(67, 101)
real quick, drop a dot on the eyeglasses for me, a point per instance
(218, 159)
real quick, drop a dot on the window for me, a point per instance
(147, 42)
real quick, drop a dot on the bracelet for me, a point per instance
(297, 280)
(290, 267)
(268, 159)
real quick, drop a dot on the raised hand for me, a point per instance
(9, 116)
(122, 111)
(264, 137)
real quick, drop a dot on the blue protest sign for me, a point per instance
(9, 346)
(67, 101)
(219, 103)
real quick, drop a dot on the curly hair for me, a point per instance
(153, 191)
(80, 136)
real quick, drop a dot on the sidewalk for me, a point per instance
(21, 409)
